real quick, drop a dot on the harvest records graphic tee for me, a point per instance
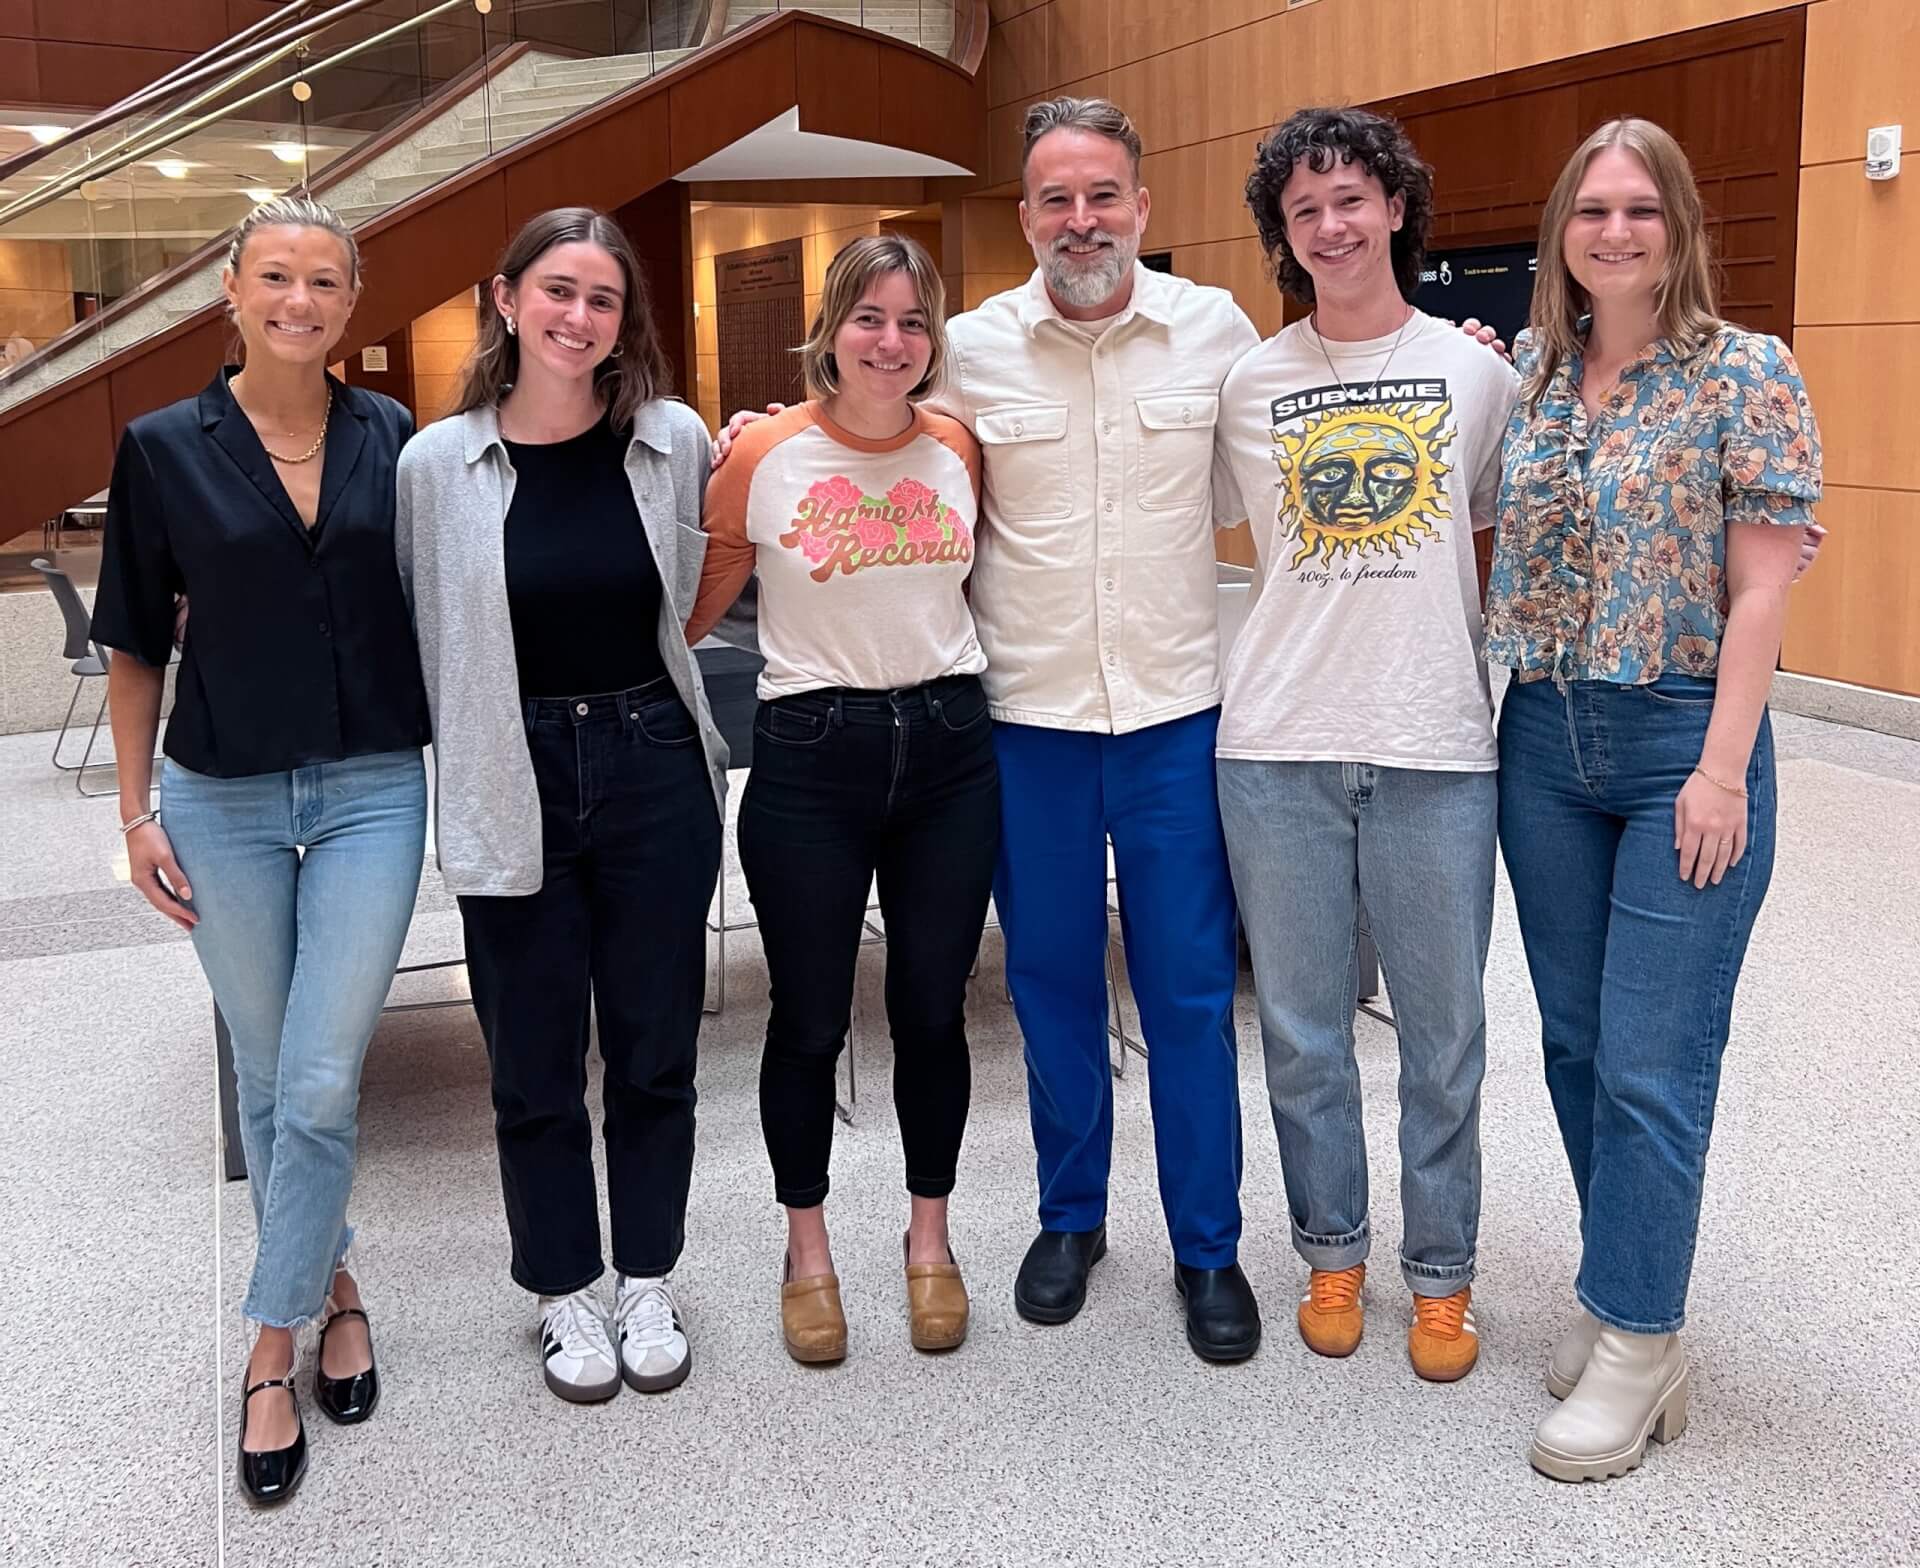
(863, 550)
(1362, 643)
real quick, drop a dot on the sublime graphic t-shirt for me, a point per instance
(1364, 469)
(862, 547)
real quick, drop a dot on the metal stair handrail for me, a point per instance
(168, 128)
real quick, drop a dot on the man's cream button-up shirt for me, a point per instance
(1093, 582)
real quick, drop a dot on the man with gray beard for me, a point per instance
(1094, 390)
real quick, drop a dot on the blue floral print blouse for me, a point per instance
(1610, 561)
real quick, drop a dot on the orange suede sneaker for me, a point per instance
(1331, 1317)
(1442, 1342)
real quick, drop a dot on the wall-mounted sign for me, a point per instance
(374, 358)
(759, 320)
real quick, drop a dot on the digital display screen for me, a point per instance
(1491, 282)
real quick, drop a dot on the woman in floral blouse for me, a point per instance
(1659, 473)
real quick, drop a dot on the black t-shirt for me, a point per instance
(299, 647)
(582, 586)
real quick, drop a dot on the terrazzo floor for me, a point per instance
(1103, 1441)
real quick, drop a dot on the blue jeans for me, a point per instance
(304, 883)
(1634, 969)
(1309, 842)
(1062, 794)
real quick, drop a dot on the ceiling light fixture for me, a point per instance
(257, 194)
(45, 135)
(171, 168)
(289, 152)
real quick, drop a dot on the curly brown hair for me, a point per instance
(1315, 138)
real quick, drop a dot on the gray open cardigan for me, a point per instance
(456, 484)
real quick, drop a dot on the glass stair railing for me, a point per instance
(120, 219)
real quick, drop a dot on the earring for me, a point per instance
(618, 350)
(512, 326)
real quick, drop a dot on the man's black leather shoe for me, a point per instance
(1223, 1319)
(1052, 1284)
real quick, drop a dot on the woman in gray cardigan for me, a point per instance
(549, 536)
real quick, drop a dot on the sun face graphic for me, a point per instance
(1364, 481)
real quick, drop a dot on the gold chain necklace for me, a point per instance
(311, 452)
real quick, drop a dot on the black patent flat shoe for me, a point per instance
(274, 1476)
(347, 1400)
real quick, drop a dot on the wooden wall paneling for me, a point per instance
(193, 25)
(20, 71)
(1858, 241)
(1166, 96)
(16, 19)
(397, 379)
(1860, 73)
(1004, 142)
(758, 73)
(989, 237)
(1017, 58)
(593, 166)
(1228, 162)
(660, 224)
(1078, 40)
(93, 76)
(1143, 28)
(1247, 78)
(422, 251)
(1359, 50)
(1175, 182)
(1240, 267)
(1531, 33)
(979, 287)
(1868, 410)
(839, 80)
(1856, 615)
(930, 107)
(928, 236)
(1000, 11)
(1225, 15)
(44, 476)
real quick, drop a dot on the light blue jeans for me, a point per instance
(1308, 841)
(304, 883)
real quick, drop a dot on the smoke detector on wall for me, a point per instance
(1883, 152)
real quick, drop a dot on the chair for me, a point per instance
(89, 662)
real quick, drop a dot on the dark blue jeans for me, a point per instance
(631, 849)
(851, 789)
(1634, 968)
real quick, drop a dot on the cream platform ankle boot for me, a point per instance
(1635, 1386)
(1569, 1358)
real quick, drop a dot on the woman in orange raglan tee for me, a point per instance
(873, 757)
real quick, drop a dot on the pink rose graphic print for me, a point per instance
(841, 529)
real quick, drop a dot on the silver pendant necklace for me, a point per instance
(1392, 349)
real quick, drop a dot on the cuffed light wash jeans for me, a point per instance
(1308, 841)
(1634, 969)
(304, 883)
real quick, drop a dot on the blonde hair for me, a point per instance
(298, 212)
(857, 265)
(1685, 297)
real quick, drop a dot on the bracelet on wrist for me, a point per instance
(1732, 789)
(139, 821)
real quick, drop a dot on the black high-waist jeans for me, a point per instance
(631, 851)
(848, 786)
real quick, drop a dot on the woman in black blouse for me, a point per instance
(293, 794)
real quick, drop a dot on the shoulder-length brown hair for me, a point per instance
(1685, 297)
(636, 372)
(849, 275)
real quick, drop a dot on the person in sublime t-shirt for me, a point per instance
(1356, 751)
